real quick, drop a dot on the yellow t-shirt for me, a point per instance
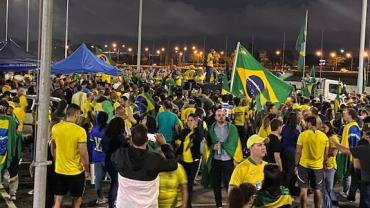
(87, 106)
(106, 78)
(313, 148)
(248, 172)
(67, 136)
(187, 156)
(239, 115)
(23, 103)
(6, 88)
(178, 81)
(186, 112)
(332, 162)
(190, 74)
(21, 117)
(210, 60)
(169, 184)
(264, 132)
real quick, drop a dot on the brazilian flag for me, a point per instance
(250, 78)
(300, 45)
(225, 85)
(99, 53)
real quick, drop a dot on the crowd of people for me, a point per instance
(154, 132)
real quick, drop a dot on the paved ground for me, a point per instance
(202, 197)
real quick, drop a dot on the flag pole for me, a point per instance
(360, 78)
(139, 35)
(283, 58)
(28, 24)
(6, 20)
(234, 66)
(66, 33)
(305, 44)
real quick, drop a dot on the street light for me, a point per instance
(194, 48)
(163, 49)
(123, 46)
(92, 46)
(132, 55)
(334, 55)
(318, 53)
(222, 52)
(185, 48)
(146, 49)
(277, 52)
(105, 46)
(349, 55)
(129, 49)
(176, 48)
(114, 45)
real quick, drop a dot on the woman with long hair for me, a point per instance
(189, 150)
(113, 139)
(329, 194)
(272, 193)
(265, 128)
(289, 138)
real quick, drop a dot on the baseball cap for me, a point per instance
(254, 139)
(126, 95)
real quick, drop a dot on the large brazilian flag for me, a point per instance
(251, 79)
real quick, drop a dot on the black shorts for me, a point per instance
(74, 184)
(311, 177)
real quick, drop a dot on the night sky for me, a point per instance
(180, 22)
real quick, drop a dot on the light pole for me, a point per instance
(319, 55)
(139, 35)
(277, 54)
(66, 33)
(132, 55)
(6, 20)
(28, 24)
(146, 49)
(160, 57)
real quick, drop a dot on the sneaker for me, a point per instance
(30, 192)
(102, 201)
(13, 197)
(342, 194)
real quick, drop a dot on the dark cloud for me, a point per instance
(188, 21)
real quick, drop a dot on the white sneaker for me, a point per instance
(342, 194)
(30, 192)
(13, 197)
(102, 200)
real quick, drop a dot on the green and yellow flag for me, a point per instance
(300, 45)
(250, 78)
(225, 85)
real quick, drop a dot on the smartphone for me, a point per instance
(151, 137)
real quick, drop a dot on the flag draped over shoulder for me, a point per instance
(251, 79)
(145, 105)
(265, 199)
(300, 45)
(232, 146)
(10, 142)
(225, 85)
(309, 84)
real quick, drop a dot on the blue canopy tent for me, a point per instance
(83, 61)
(14, 58)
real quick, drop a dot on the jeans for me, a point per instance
(191, 171)
(365, 195)
(208, 74)
(329, 194)
(221, 171)
(113, 174)
(99, 169)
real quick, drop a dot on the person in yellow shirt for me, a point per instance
(23, 103)
(251, 169)
(331, 167)
(173, 188)
(19, 113)
(240, 114)
(311, 155)
(88, 109)
(265, 128)
(71, 157)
